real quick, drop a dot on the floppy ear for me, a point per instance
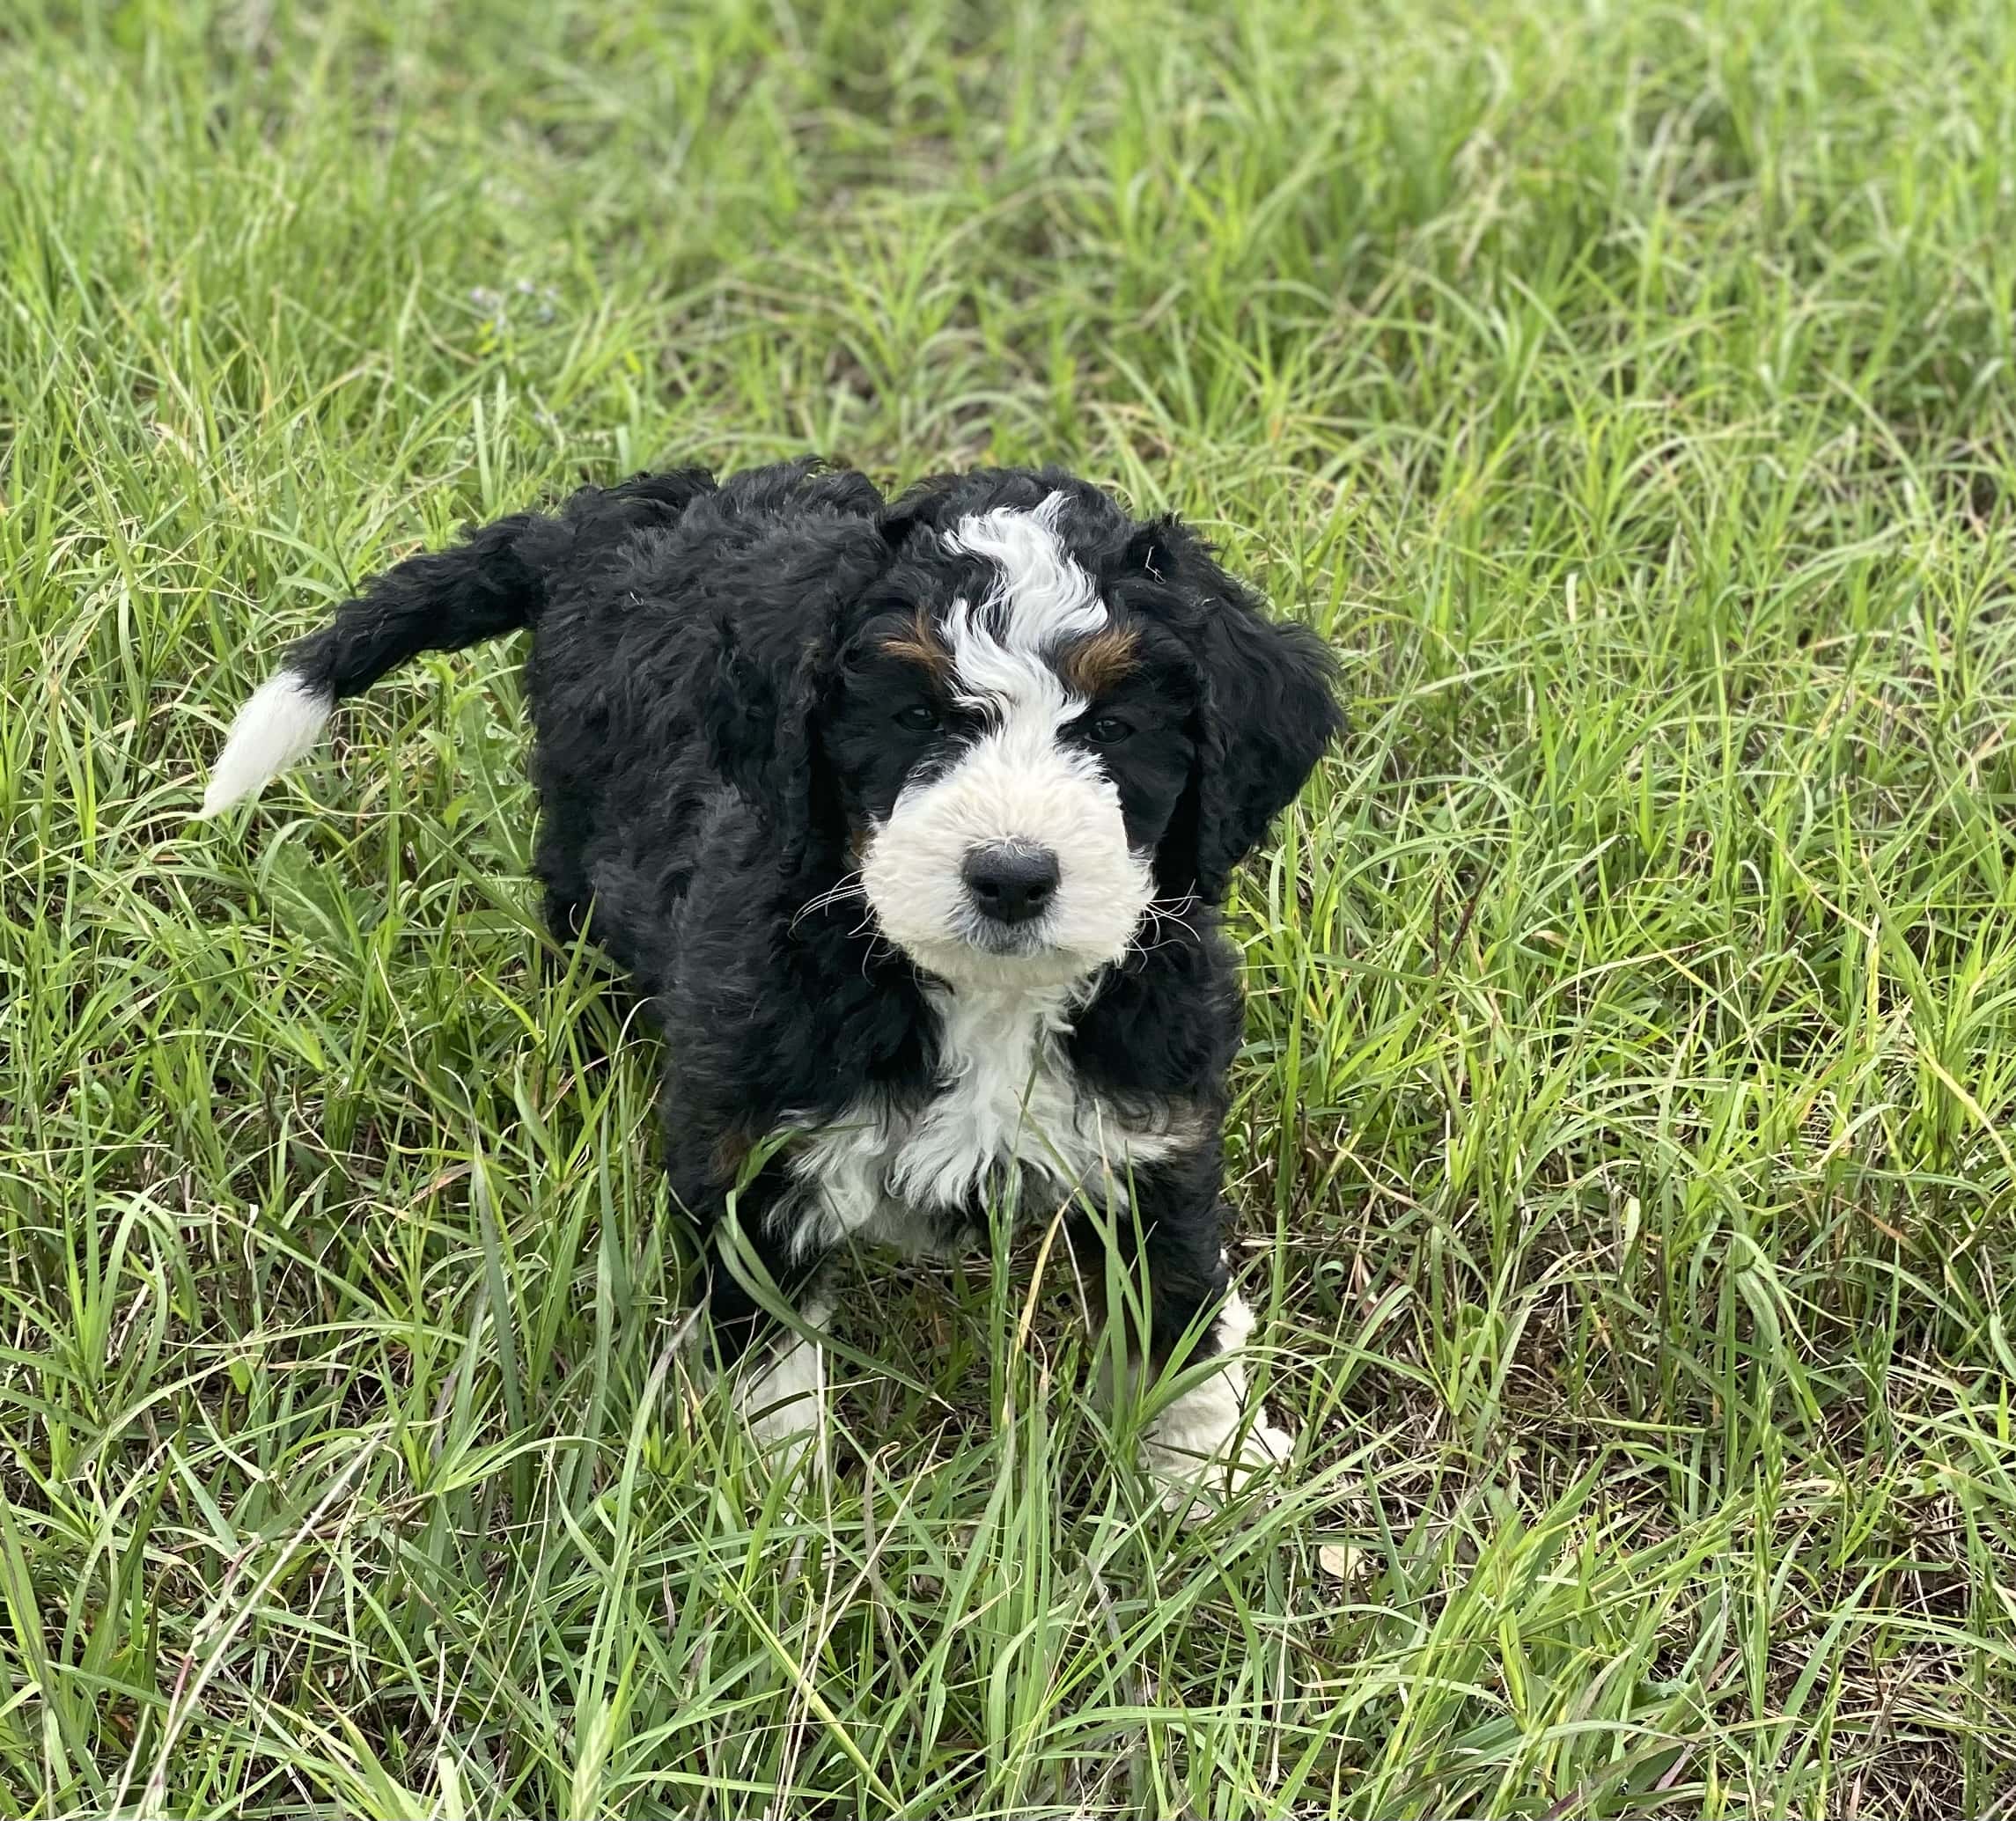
(901, 517)
(774, 665)
(1267, 709)
(924, 505)
(762, 720)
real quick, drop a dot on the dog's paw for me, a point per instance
(783, 1411)
(1199, 1467)
(782, 1430)
(783, 1399)
(780, 1396)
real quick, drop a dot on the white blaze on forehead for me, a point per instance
(1020, 780)
(1043, 598)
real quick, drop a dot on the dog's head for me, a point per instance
(1035, 719)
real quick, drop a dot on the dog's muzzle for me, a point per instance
(1014, 865)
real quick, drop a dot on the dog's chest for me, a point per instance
(1009, 1116)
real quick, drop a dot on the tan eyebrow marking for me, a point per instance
(1099, 661)
(921, 646)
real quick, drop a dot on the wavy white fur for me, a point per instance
(283, 720)
(1008, 1101)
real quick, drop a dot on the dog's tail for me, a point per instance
(493, 581)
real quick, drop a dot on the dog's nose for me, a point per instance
(1010, 883)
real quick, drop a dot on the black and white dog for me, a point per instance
(909, 818)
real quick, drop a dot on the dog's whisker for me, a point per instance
(851, 885)
(845, 886)
(1166, 913)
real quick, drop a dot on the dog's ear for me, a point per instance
(762, 720)
(775, 661)
(1267, 709)
(919, 507)
(897, 521)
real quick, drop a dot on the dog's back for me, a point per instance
(626, 590)
(649, 667)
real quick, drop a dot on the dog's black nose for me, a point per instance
(1010, 883)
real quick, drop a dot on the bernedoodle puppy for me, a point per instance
(910, 819)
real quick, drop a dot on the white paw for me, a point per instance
(782, 1400)
(784, 1425)
(1204, 1454)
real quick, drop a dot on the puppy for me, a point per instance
(911, 819)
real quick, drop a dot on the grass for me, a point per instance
(1623, 1153)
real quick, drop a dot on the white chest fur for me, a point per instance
(1008, 1108)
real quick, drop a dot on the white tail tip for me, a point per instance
(284, 719)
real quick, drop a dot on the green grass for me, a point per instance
(1624, 1149)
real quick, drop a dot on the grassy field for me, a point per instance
(1624, 1149)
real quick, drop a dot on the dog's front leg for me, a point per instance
(781, 1393)
(1213, 1435)
(779, 1375)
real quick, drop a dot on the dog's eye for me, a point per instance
(1106, 731)
(919, 717)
